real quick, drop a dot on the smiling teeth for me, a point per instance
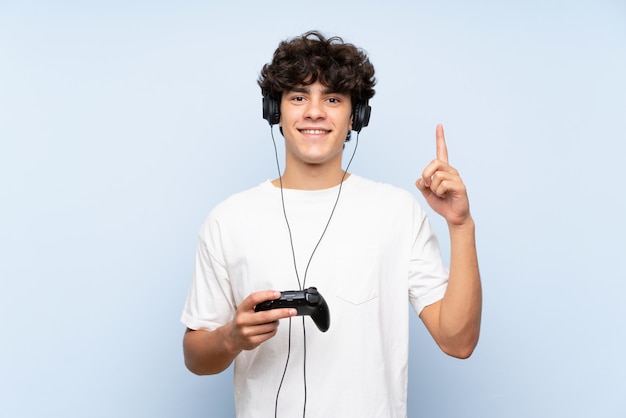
(314, 131)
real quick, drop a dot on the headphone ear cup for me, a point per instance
(271, 110)
(361, 115)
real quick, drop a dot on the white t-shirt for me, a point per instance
(378, 252)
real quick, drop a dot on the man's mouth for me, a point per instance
(314, 131)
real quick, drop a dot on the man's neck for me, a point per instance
(310, 179)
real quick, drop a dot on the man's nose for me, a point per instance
(314, 110)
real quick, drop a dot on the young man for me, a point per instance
(367, 247)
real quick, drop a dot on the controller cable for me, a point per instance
(302, 284)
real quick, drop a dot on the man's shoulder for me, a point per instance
(243, 199)
(376, 189)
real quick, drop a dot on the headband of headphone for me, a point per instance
(360, 113)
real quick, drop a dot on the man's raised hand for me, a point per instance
(442, 186)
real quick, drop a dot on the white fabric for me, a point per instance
(378, 251)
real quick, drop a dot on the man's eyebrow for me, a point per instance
(306, 89)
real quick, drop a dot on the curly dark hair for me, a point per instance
(340, 66)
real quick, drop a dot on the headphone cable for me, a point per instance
(306, 270)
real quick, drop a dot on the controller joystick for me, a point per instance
(307, 302)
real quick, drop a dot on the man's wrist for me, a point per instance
(227, 339)
(465, 227)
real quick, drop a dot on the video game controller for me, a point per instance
(306, 302)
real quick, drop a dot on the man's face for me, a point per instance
(315, 122)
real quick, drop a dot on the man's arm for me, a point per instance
(211, 352)
(454, 321)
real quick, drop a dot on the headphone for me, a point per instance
(360, 114)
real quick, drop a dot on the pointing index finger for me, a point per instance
(442, 150)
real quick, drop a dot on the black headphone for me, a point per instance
(360, 114)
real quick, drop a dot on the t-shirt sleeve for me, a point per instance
(210, 302)
(428, 276)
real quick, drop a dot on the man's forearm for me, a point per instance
(207, 352)
(461, 308)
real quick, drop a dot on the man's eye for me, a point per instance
(333, 100)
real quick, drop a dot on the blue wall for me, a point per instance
(123, 123)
